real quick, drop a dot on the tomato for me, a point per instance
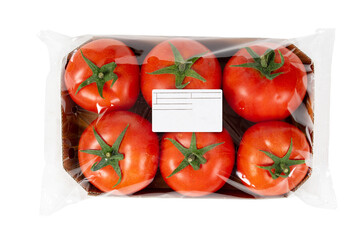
(196, 164)
(103, 74)
(179, 64)
(262, 84)
(118, 152)
(271, 158)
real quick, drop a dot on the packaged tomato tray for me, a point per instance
(187, 116)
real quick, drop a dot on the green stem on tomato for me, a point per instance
(100, 75)
(281, 166)
(181, 68)
(265, 63)
(192, 155)
(109, 155)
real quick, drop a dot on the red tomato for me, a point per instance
(265, 94)
(96, 65)
(179, 63)
(260, 146)
(131, 163)
(200, 168)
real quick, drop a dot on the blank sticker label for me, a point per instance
(187, 110)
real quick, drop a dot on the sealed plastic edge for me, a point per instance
(58, 188)
(318, 190)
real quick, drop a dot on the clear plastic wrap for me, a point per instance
(274, 106)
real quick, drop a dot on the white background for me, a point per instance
(24, 67)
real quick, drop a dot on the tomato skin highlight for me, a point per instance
(161, 56)
(274, 137)
(256, 98)
(140, 147)
(122, 95)
(211, 176)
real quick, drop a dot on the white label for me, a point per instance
(187, 110)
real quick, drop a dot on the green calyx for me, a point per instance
(281, 166)
(192, 155)
(265, 64)
(100, 75)
(181, 68)
(109, 155)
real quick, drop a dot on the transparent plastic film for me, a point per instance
(110, 97)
